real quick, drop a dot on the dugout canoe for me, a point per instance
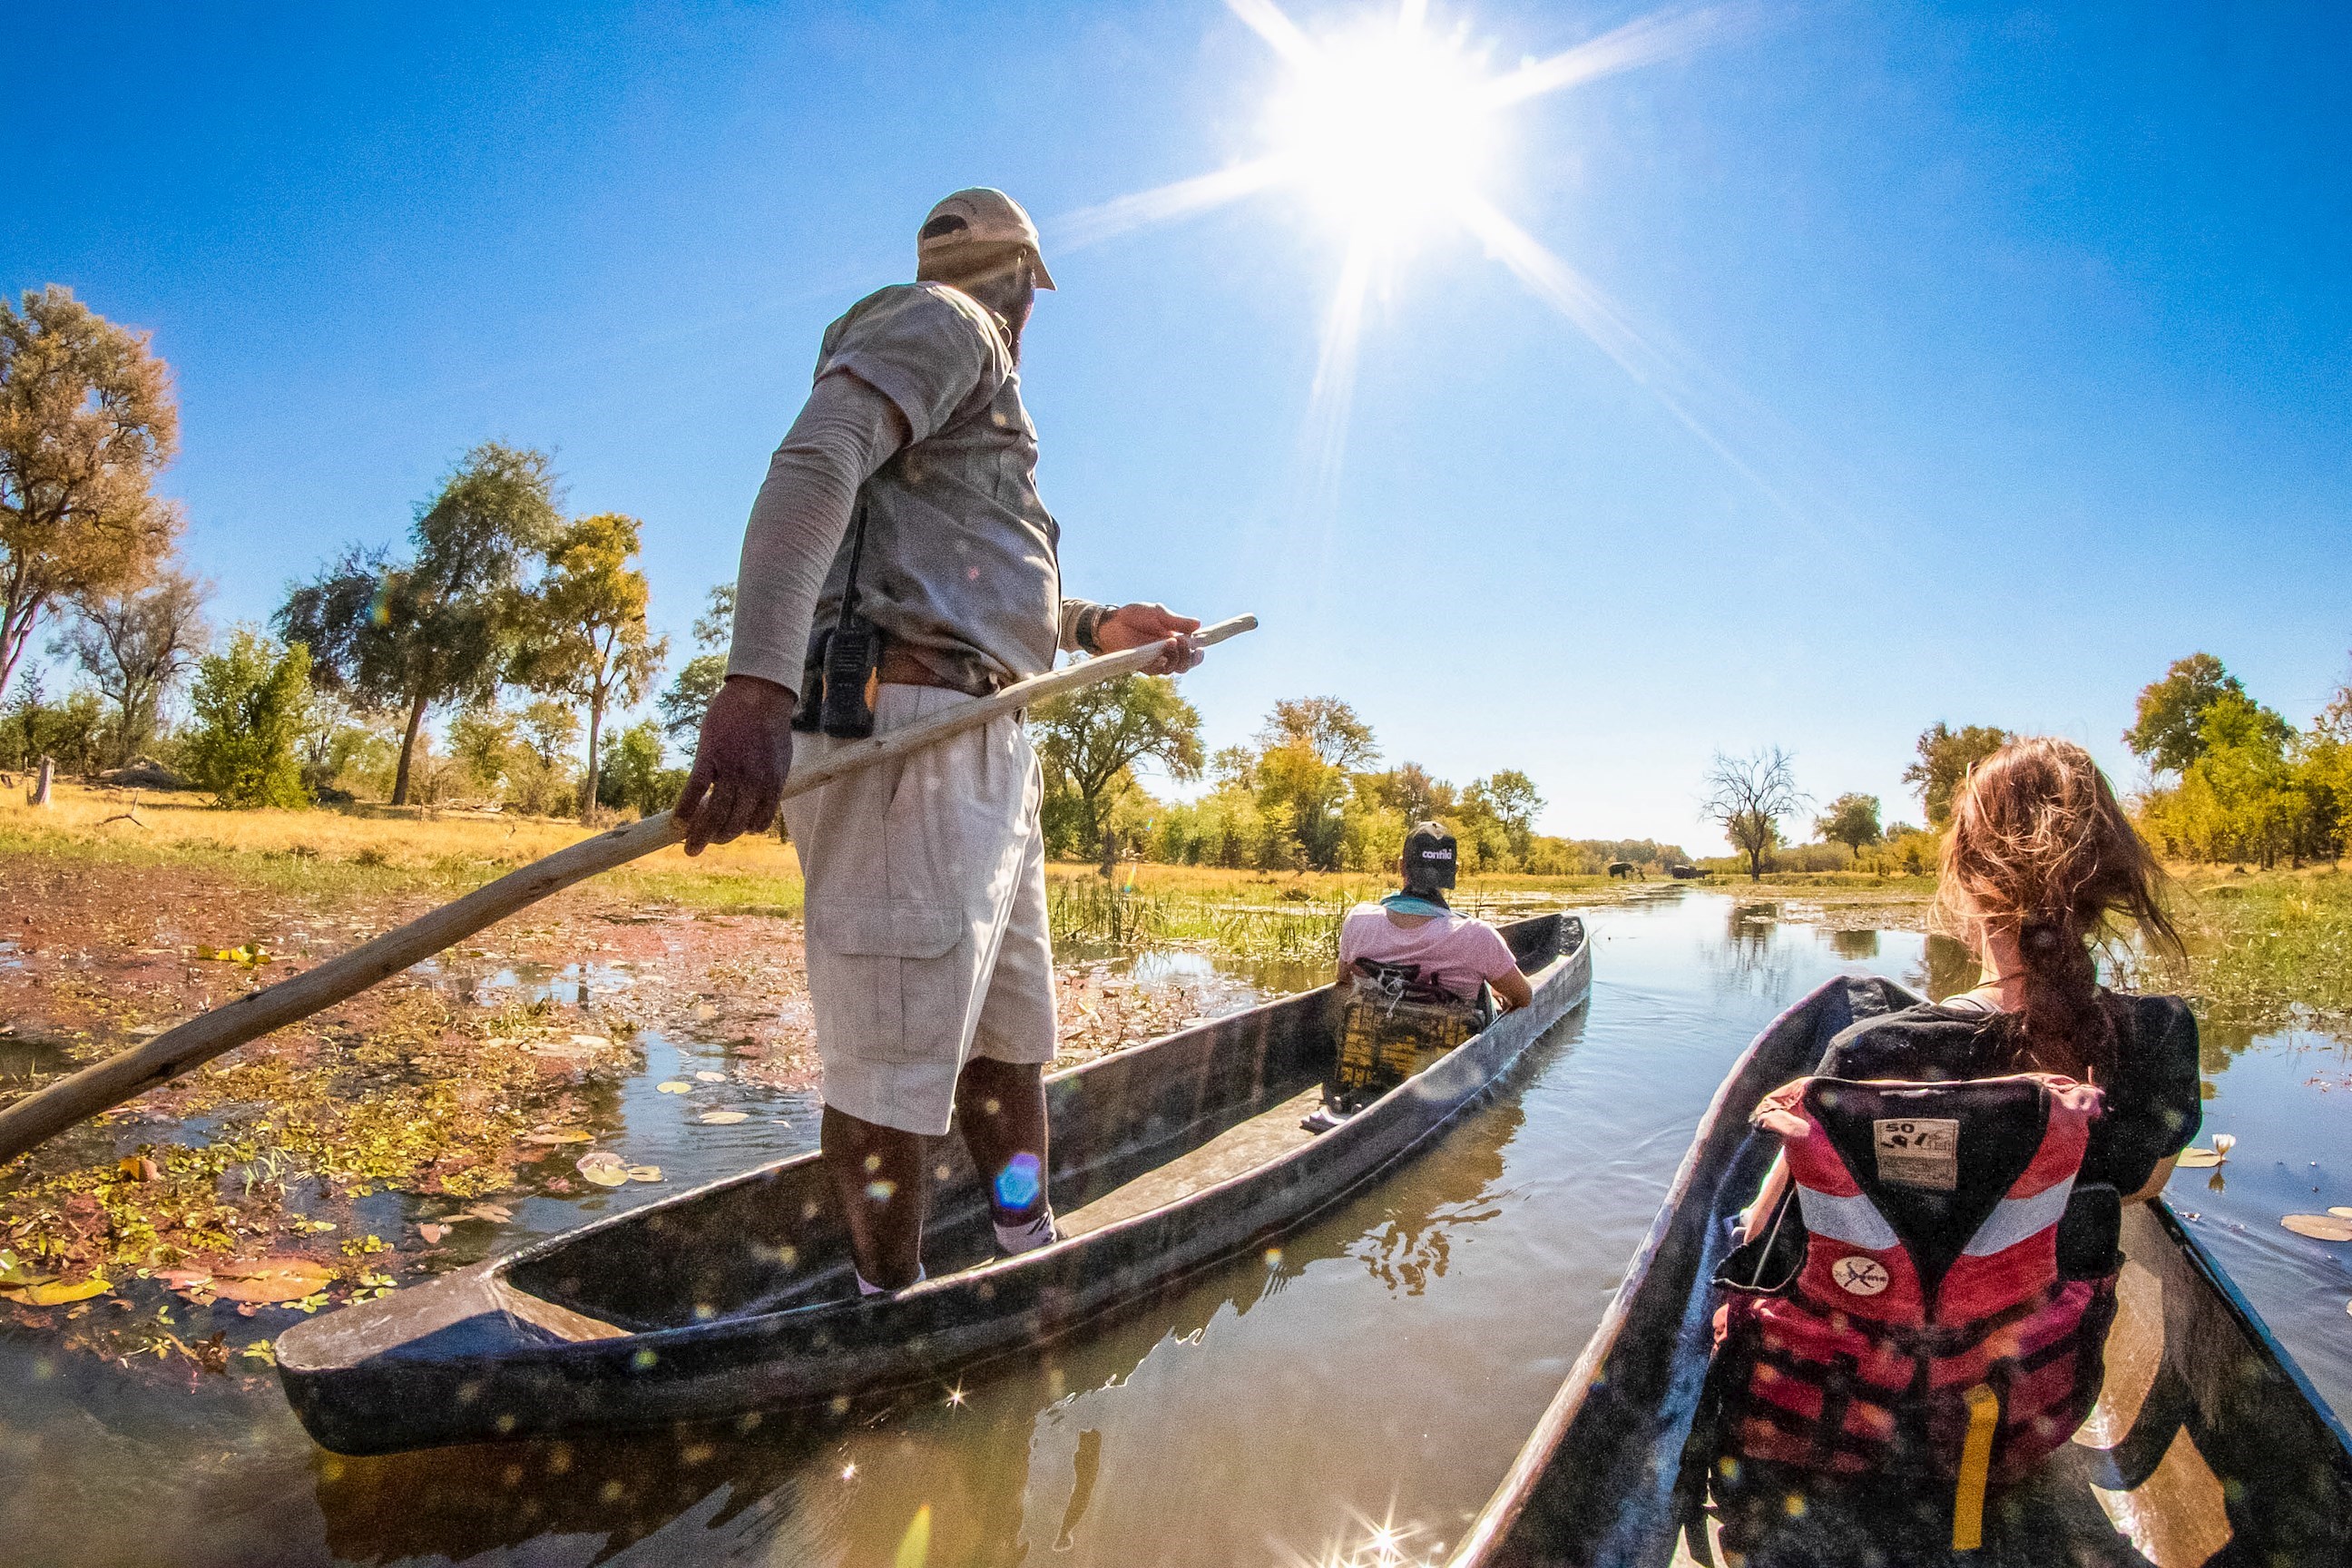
(2208, 1445)
(738, 1296)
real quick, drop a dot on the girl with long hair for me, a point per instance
(2039, 868)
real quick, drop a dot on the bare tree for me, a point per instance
(136, 644)
(1747, 796)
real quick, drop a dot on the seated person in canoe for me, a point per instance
(898, 562)
(1924, 1323)
(1413, 975)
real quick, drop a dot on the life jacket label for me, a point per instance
(1918, 1151)
(1860, 1276)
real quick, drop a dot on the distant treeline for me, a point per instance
(1306, 793)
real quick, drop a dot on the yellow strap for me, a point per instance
(1975, 1463)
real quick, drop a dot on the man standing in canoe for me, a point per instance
(898, 562)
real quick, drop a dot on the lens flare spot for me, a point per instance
(881, 1192)
(1018, 1185)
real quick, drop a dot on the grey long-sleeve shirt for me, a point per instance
(960, 564)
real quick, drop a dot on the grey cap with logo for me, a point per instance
(981, 215)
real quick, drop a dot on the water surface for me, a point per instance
(1375, 1372)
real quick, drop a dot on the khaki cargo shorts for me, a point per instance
(928, 942)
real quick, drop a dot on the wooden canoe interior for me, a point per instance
(1132, 1131)
(2207, 1445)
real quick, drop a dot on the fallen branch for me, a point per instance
(101, 1086)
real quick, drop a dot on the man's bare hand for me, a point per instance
(1132, 625)
(740, 764)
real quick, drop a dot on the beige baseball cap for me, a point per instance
(980, 215)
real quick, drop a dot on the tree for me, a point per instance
(1746, 797)
(1510, 798)
(438, 627)
(689, 694)
(32, 727)
(1851, 820)
(584, 634)
(634, 777)
(136, 644)
(252, 701)
(2168, 734)
(1091, 739)
(1946, 755)
(86, 423)
(1409, 791)
(1326, 727)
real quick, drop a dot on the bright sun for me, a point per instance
(1385, 129)
(1392, 129)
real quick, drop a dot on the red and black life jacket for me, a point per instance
(1929, 1330)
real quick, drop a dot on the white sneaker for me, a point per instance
(1027, 1236)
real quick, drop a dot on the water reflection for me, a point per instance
(1855, 945)
(1749, 959)
(1946, 968)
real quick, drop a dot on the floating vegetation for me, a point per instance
(2319, 1227)
(2263, 954)
(604, 1168)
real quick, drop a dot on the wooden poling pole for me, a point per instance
(39, 1117)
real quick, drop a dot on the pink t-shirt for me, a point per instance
(1453, 953)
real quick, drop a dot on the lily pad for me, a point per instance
(2319, 1227)
(432, 1233)
(708, 1076)
(605, 1168)
(2341, 1212)
(15, 1275)
(188, 1281)
(57, 1293)
(724, 1117)
(264, 1280)
(495, 1213)
(644, 1172)
(674, 1086)
(2198, 1159)
(567, 1135)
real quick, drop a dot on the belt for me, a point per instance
(902, 668)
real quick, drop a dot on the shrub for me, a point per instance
(252, 706)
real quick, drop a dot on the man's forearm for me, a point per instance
(845, 431)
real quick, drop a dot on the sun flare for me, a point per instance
(1392, 128)
(1383, 128)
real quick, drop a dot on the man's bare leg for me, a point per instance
(882, 1180)
(1001, 1108)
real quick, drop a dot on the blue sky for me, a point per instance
(2025, 331)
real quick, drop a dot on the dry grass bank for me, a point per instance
(372, 849)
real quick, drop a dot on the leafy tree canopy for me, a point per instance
(87, 421)
(2167, 733)
(1944, 757)
(1851, 820)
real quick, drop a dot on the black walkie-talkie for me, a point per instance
(844, 662)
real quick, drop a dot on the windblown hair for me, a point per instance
(2039, 847)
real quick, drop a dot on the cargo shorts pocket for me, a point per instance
(889, 988)
(888, 928)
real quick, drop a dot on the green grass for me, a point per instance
(1229, 921)
(2264, 952)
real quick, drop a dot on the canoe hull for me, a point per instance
(2266, 1466)
(461, 1359)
